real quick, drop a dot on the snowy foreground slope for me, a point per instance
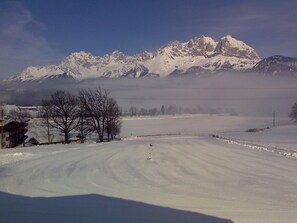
(168, 170)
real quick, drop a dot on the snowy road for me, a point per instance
(185, 173)
(136, 180)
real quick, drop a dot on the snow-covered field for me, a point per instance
(166, 169)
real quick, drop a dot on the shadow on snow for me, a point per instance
(92, 208)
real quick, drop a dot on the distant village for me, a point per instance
(25, 126)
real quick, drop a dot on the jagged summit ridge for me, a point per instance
(200, 54)
(228, 46)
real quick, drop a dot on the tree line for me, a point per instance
(174, 110)
(92, 110)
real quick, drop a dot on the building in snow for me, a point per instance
(4, 135)
(12, 133)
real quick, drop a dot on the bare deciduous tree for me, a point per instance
(94, 101)
(44, 113)
(103, 113)
(293, 113)
(91, 111)
(113, 121)
(83, 128)
(133, 111)
(62, 108)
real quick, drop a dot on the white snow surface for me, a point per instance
(168, 169)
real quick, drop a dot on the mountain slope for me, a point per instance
(201, 54)
(277, 65)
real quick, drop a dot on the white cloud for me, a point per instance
(20, 46)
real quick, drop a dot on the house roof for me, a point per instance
(10, 126)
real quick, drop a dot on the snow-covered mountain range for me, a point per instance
(198, 55)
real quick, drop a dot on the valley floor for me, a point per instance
(166, 169)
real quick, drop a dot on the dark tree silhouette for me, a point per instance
(83, 128)
(90, 111)
(113, 121)
(94, 101)
(44, 114)
(103, 113)
(293, 113)
(62, 108)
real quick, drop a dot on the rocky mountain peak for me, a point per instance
(144, 56)
(229, 46)
(117, 55)
(77, 58)
(201, 46)
(173, 43)
(171, 50)
(79, 55)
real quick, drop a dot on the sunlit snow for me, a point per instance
(163, 162)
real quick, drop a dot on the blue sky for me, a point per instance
(39, 32)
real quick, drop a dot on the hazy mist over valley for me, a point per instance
(238, 93)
